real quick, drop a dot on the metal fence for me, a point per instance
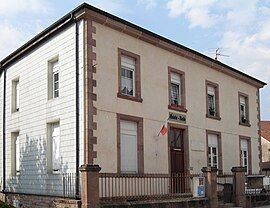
(115, 186)
(69, 185)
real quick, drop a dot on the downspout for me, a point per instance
(77, 110)
(4, 133)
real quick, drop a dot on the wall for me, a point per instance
(1, 127)
(154, 108)
(36, 111)
(265, 150)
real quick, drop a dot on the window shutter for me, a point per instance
(128, 62)
(212, 140)
(242, 100)
(244, 144)
(211, 90)
(129, 156)
(55, 67)
(56, 158)
(175, 78)
(17, 153)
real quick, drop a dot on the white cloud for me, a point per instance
(8, 7)
(196, 12)
(148, 3)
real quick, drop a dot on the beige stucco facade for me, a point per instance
(154, 63)
(265, 150)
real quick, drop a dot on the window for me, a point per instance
(212, 100)
(129, 76)
(130, 144)
(53, 79)
(15, 149)
(214, 150)
(54, 157)
(243, 109)
(15, 95)
(176, 90)
(245, 158)
(129, 157)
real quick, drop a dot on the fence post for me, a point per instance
(90, 186)
(239, 186)
(211, 185)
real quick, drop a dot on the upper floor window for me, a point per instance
(15, 95)
(53, 79)
(212, 104)
(176, 89)
(243, 109)
(129, 76)
(15, 150)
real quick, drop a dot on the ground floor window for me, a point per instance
(130, 144)
(214, 150)
(245, 154)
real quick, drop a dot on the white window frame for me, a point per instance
(55, 70)
(130, 68)
(130, 133)
(54, 160)
(16, 154)
(244, 149)
(15, 95)
(211, 147)
(211, 93)
(177, 82)
(243, 102)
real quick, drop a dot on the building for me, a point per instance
(265, 143)
(96, 89)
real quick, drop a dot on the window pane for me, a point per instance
(128, 65)
(17, 95)
(175, 96)
(56, 158)
(127, 82)
(17, 153)
(211, 105)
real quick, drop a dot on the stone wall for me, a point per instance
(32, 201)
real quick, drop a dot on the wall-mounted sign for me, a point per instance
(177, 117)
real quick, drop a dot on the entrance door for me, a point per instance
(176, 139)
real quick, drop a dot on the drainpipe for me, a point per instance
(4, 132)
(77, 109)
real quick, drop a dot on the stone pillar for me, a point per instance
(239, 186)
(211, 185)
(90, 186)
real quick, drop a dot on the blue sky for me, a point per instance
(240, 27)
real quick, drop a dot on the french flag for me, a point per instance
(163, 130)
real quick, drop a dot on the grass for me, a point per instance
(2, 205)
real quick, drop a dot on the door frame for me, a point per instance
(186, 146)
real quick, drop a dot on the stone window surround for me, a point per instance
(137, 97)
(220, 162)
(216, 86)
(249, 153)
(240, 94)
(182, 107)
